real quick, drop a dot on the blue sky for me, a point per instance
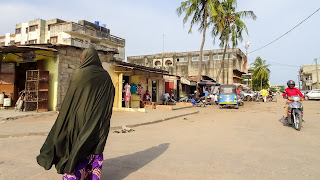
(143, 22)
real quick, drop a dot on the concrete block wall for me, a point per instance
(69, 61)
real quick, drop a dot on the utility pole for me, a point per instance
(317, 73)
(299, 80)
(163, 44)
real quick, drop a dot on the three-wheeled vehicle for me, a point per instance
(228, 96)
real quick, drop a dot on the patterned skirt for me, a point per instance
(88, 169)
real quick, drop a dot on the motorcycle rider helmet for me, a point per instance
(291, 82)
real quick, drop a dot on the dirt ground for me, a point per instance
(248, 143)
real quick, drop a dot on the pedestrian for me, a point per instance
(77, 139)
(127, 95)
(216, 98)
(264, 95)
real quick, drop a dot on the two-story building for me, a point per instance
(308, 77)
(186, 64)
(57, 31)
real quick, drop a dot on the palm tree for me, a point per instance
(261, 71)
(228, 25)
(199, 11)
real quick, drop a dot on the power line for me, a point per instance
(286, 32)
(280, 64)
(272, 63)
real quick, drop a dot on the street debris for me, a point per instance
(124, 129)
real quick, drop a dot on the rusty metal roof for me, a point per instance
(139, 67)
(23, 49)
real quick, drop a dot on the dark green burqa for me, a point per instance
(83, 123)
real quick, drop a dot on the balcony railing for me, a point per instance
(86, 30)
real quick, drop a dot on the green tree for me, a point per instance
(273, 89)
(261, 73)
(229, 26)
(199, 11)
(282, 88)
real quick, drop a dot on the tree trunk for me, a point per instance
(201, 50)
(261, 82)
(222, 64)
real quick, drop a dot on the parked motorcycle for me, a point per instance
(295, 112)
(199, 102)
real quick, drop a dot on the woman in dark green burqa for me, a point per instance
(77, 139)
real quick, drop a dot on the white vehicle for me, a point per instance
(313, 94)
(247, 94)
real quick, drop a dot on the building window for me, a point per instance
(26, 30)
(217, 57)
(33, 28)
(220, 56)
(157, 63)
(205, 58)
(168, 63)
(184, 59)
(18, 31)
(48, 27)
(195, 58)
(54, 40)
(33, 41)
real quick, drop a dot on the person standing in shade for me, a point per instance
(77, 139)
(127, 95)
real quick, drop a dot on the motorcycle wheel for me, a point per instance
(236, 106)
(297, 122)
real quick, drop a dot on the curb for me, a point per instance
(154, 122)
(111, 128)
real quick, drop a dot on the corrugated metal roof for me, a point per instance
(139, 67)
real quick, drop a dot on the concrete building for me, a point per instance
(186, 64)
(247, 78)
(308, 77)
(57, 31)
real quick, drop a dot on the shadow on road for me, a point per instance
(121, 167)
(284, 123)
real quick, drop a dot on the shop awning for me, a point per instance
(187, 81)
(138, 67)
(23, 49)
(237, 77)
(208, 83)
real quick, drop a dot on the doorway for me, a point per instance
(154, 91)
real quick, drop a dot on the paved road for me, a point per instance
(249, 143)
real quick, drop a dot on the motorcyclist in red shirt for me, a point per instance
(290, 91)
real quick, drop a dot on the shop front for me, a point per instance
(142, 81)
(17, 63)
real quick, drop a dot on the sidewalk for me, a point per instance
(41, 123)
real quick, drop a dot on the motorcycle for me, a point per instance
(295, 112)
(200, 102)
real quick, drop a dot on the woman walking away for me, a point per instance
(77, 138)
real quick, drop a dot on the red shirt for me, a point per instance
(292, 92)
